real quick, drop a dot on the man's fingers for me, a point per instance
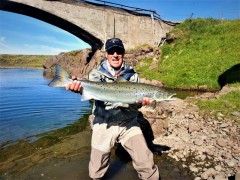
(68, 86)
(77, 86)
(73, 84)
(146, 101)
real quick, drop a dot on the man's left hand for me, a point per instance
(146, 101)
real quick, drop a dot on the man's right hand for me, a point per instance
(75, 86)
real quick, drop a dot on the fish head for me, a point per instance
(164, 96)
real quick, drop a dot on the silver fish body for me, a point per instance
(115, 92)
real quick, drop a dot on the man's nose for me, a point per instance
(115, 54)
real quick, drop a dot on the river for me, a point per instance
(28, 106)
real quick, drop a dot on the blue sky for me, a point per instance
(21, 34)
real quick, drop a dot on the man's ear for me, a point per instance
(106, 54)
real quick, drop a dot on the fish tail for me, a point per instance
(61, 79)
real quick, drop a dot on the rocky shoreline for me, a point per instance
(208, 145)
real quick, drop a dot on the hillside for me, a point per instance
(198, 52)
(28, 61)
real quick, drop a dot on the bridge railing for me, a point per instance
(149, 12)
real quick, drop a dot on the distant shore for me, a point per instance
(20, 67)
(8, 61)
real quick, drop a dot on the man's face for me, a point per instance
(115, 57)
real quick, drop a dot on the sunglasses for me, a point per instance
(117, 50)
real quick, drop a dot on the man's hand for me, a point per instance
(75, 86)
(146, 101)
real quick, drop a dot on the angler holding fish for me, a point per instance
(116, 91)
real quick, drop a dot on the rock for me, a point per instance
(197, 178)
(193, 169)
(236, 149)
(220, 114)
(222, 142)
(157, 83)
(221, 176)
(235, 113)
(224, 125)
(193, 127)
(208, 173)
(231, 163)
(204, 175)
(198, 142)
(201, 157)
(227, 156)
(218, 168)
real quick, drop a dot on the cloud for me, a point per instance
(3, 43)
(2, 39)
(29, 49)
(42, 49)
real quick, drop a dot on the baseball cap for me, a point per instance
(114, 42)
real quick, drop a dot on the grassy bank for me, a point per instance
(31, 61)
(202, 49)
(225, 104)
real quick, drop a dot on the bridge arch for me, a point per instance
(57, 21)
(95, 23)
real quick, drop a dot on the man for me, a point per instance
(117, 123)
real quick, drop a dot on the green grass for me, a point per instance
(226, 104)
(201, 51)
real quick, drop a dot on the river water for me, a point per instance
(28, 106)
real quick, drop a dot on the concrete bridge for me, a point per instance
(94, 23)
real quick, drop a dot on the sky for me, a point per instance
(21, 34)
